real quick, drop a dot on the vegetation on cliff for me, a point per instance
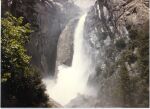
(134, 68)
(21, 83)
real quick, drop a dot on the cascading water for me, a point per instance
(72, 81)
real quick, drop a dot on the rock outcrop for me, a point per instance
(54, 104)
(113, 28)
(65, 44)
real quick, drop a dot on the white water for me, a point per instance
(72, 81)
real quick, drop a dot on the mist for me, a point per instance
(84, 4)
(72, 81)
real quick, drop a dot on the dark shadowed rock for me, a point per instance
(54, 104)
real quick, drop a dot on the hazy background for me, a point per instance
(84, 3)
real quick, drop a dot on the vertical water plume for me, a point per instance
(72, 81)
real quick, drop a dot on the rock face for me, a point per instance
(82, 101)
(54, 104)
(48, 18)
(65, 44)
(118, 33)
(42, 46)
(113, 28)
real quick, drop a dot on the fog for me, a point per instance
(84, 4)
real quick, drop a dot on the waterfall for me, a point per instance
(72, 81)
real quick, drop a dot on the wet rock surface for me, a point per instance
(65, 44)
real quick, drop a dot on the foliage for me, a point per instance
(14, 38)
(143, 66)
(120, 44)
(125, 85)
(136, 85)
(130, 69)
(21, 83)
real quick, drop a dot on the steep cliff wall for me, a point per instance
(117, 30)
(65, 44)
(48, 18)
(118, 33)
